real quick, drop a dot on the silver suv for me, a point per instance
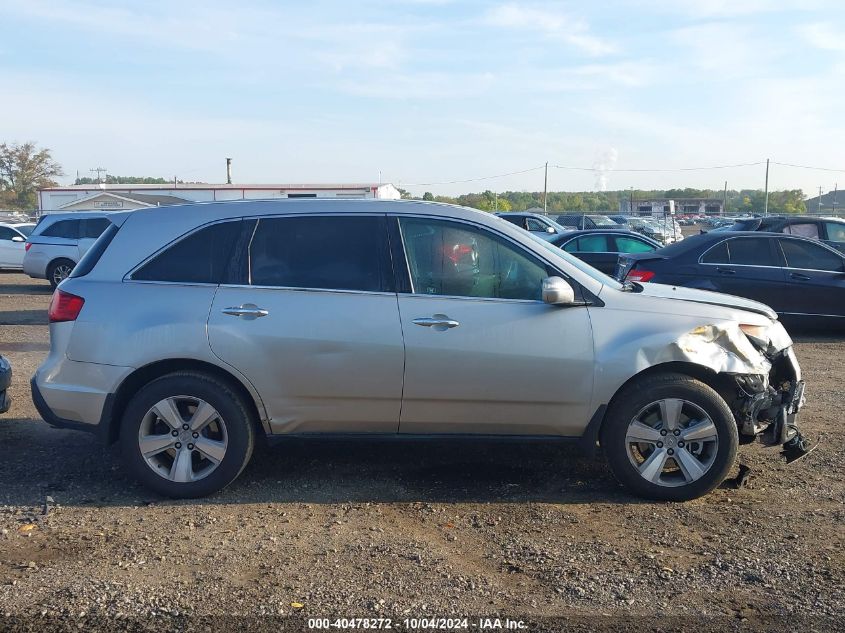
(186, 334)
(59, 241)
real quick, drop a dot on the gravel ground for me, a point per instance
(397, 530)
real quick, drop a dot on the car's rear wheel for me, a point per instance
(58, 271)
(669, 437)
(187, 435)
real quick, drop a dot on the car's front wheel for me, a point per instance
(187, 435)
(669, 437)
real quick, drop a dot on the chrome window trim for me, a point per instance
(814, 314)
(774, 236)
(478, 226)
(168, 283)
(301, 289)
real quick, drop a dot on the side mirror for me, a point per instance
(550, 229)
(18, 239)
(556, 291)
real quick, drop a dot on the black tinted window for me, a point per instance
(751, 251)
(201, 257)
(717, 255)
(800, 254)
(7, 233)
(331, 252)
(63, 228)
(94, 227)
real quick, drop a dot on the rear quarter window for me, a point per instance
(201, 257)
(68, 229)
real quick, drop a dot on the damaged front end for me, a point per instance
(766, 377)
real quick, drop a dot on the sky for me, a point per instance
(423, 93)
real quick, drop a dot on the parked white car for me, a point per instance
(59, 241)
(12, 238)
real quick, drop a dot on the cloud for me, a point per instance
(573, 31)
(822, 36)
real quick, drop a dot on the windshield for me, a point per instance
(602, 220)
(24, 229)
(577, 263)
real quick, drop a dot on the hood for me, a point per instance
(680, 293)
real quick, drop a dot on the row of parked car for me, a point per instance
(662, 230)
(795, 264)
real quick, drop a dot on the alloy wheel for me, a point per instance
(61, 272)
(672, 442)
(183, 439)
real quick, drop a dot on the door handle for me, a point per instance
(248, 311)
(800, 276)
(439, 322)
(725, 271)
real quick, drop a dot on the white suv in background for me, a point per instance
(59, 241)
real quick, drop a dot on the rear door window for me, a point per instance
(809, 256)
(321, 252)
(68, 229)
(751, 251)
(201, 257)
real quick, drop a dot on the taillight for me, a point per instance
(27, 246)
(64, 307)
(640, 275)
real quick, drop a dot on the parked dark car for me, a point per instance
(828, 230)
(583, 221)
(5, 381)
(802, 279)
(600, 248)
(536, 223)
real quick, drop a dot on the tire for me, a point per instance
(172, 465)
(58, 271)
(686, 461)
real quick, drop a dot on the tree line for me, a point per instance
(738, 201)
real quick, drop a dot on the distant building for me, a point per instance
(129, 197)
(674, 206)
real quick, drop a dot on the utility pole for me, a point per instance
(819, 203)
(495, 201)
(835, 189)
(766, 207)
(98, 170)
(725, 200)
(545, 187)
